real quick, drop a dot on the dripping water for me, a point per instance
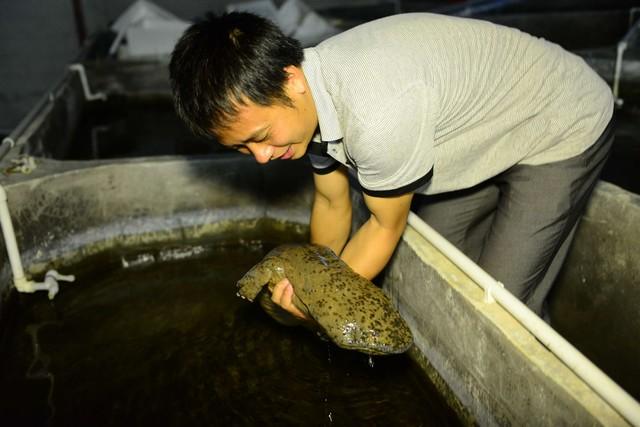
(327, 408)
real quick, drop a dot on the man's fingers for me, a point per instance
(282, 295)
(287, 298)
(277, 292)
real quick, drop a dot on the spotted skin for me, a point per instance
(353, 312)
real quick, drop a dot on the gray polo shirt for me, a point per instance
(432, 103)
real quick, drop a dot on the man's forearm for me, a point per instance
(371, 247)
(330, 224)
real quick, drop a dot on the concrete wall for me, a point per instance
(498, 371)
(600, 286)
(68, 210)
(496, 368)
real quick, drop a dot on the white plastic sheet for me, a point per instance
(148, 29)
(294, 18)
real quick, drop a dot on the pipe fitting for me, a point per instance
(21, 283)
(50, 283)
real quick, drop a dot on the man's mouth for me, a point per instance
(287, 154)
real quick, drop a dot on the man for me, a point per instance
(496, 137)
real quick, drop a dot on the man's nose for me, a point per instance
(261, 151)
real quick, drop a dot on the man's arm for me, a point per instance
(330, 226)
(331, 211)
(369, 249)
(372, 245)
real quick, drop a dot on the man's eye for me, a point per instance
(262, 139)
(240, 148)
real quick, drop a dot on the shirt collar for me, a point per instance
(328, 123)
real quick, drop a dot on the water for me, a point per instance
(158, 337)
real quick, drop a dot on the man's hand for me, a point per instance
(282, 294)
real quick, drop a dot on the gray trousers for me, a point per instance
(518, 226)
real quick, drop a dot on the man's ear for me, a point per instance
(295, 79)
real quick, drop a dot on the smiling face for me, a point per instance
(278, 131)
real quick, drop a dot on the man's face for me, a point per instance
(277, 131)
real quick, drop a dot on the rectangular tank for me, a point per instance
(65, 206)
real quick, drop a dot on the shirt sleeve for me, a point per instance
(321, 162)
(323, 165)
(395, 152)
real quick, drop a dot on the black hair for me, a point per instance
(222, 61)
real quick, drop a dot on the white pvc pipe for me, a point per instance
(622, 46)
(10, 239)
(611, 392)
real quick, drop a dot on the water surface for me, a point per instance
(157, 336)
